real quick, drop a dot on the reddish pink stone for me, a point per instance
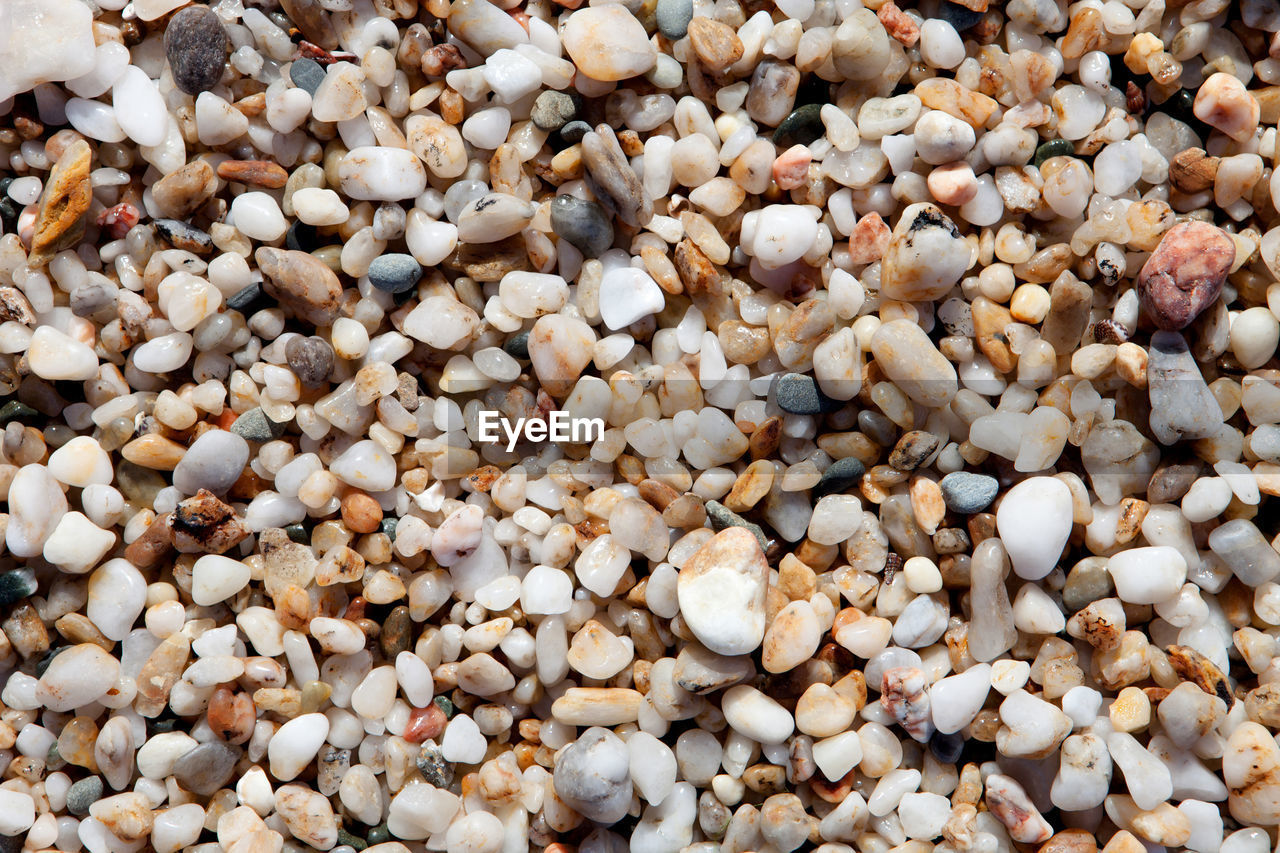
(792, 167)
(1184, 275)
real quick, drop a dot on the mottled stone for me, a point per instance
(66, 197)
(301, 283)
(1184, 275)
(583, 223)
(311, 359)
(195, 44)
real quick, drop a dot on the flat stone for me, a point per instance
(306, 74)
(65, 199)
(552, 110)
(195, 44)
(840, 476)
(966, 493)
(254, 425)
(722, 518)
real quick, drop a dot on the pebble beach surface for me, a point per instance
(933, 353)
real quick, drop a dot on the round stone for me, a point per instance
(552, 110)
(673, 18)
(966, 493)
(394, 273)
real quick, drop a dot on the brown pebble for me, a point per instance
(716, 44)
(301, 283)
(425, 724)
(205, 525)
(66, 197)
(258, 173)
(155, 543)
(179, 193)
(360, 512)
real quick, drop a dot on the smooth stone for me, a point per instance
(574, 130)
(394, 273)
(755, 715)
(583, 224)
(45, 41)
(59, 357)
(799, 394)
(957, 699)
(76, 677)
(36, 505)
(1184, 275)
(306, 74)
(254, 425)
(926, 256)
(801, 127)
(295, 744)
(215, 578)
(311, 359)
(16, 585)
(721, 591)
(607, 43)
(966, 493)
(206, 768)
(301, 283)
(673, 17)
(485, 27)
(373, 173)
(1034, 521)
(366, 465)
(214, 461)
(1251, 769)
(839, 476)
(1182, 406)
(912, 362)
(1148, 575)
(195, 43)
(593, 776)
(723, 518)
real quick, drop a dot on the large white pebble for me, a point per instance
(76, 677)
(1034, 522)
(1148, 575)
(215, 578)
(295, 744)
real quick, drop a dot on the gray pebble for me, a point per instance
(213, 461)
(83, 794)
(674, 17)
(553, 110)
(206, 768)
(195, 44)
(307, 74)
(394, 273)
(721, 517)
(254, 425)
(311, 359)
(966, 493)
(583, 223)
(1182, 406)
(591, 776)
(1087, 582)
(799, 394)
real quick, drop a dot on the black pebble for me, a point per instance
(517, 346)
(574, 131)
(960, 17)
(248, 300)
(302, 237)
(803, 126)
(840, 476)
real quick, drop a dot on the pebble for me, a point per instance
(394, 273)
(206, 768)
(553, 110)
(673, 17)
(839, 476)
(968, 493)
(1182, 406)
(76, 677)
(306, 74)
(301, 283)
(82, 794)
(1034, 522)
(195, 43)
(1184, 275)
(926, 255)
(583, 224)
(731, 571)
(592, 775)
(213, 462)
(800, 395)
(607, 43)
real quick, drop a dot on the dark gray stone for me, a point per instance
(800, 395)
(16, 585)
(840, 476)
(311, 359)
(195, 44)
(721, 517)
(574, 131)
(966, 493)
(583, 223)
(395, 273)
(517, 346)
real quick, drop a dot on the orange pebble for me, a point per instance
(360, 512)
